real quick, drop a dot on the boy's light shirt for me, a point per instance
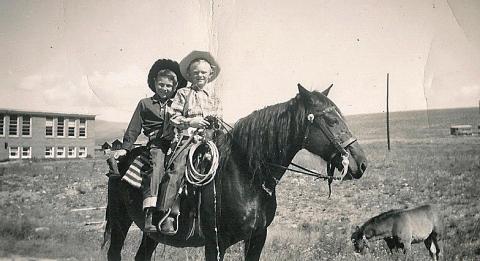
(198, 103)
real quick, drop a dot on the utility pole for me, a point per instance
(388, 118)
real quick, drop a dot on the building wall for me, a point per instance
(38, 140)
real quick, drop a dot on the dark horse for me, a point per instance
(237, 205)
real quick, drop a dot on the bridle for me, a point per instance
(339, 142)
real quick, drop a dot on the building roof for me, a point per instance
(43, 113)
(116, 142)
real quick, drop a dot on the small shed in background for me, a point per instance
(116, 145)
(461, 130)
(106, 146)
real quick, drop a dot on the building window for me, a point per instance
(26, 152)
(71, 152)
(82, 152)
(13, 126)
(13, 152)
(60, 152)
(2, 125)
(26, 126)
(49, 127)
(49, 152)
(71, 128)
(82, 128)
(61, 127)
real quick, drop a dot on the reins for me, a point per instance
(305, 171)
(312, 173)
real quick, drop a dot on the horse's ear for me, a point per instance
(355, 229)
(305, 94)
(326, 91)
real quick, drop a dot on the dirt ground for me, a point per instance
(42, 217)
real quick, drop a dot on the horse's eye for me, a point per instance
(331, 121)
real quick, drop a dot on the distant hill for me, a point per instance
(407, 124)
(108, 131)
(412, 124)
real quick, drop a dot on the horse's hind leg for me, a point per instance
(438, 247)
(432, 245)
(146, 249)
(254, 245)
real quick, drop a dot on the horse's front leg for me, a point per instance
(213, 251)
(254, 245)
(214, 246)
(146, 249)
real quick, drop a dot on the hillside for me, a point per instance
(364, 126)
(109, 131)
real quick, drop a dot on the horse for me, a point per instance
(240, 203)
(400, 228)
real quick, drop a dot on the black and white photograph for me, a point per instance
(239, 130)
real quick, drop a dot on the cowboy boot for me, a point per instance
(167, 227)
(149, 227)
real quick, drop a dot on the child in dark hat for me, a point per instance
(164, 79)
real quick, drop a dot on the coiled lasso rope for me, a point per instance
(201, 179)
(192, 175)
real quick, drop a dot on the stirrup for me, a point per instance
(169, 232)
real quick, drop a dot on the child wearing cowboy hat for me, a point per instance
(164, 79)
(189, 108)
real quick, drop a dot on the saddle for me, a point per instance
(188, 201)
(186, 207)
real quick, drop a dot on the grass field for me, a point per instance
(425, 165)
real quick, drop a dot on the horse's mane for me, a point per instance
(380, 218)
(263, 136)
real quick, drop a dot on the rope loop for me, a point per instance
(192, 175)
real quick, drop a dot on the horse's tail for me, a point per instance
(107, 234)
(115, 212)
(108, 230)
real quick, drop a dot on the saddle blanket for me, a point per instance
(140, 166)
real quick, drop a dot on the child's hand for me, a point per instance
(198, 122)
(119, 153)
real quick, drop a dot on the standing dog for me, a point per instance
(400, 228)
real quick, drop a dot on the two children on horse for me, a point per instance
(171, 107)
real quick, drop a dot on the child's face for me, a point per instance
(164, 87)
(200, 73)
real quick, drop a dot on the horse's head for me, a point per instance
(328, 136)
(359, 240)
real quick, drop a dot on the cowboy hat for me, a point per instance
(163, 64)
(194, 55)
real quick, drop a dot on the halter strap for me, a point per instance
(339, 146)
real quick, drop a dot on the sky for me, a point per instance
(94, 56)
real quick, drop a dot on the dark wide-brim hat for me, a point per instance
(195, 55)
(162, 64)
